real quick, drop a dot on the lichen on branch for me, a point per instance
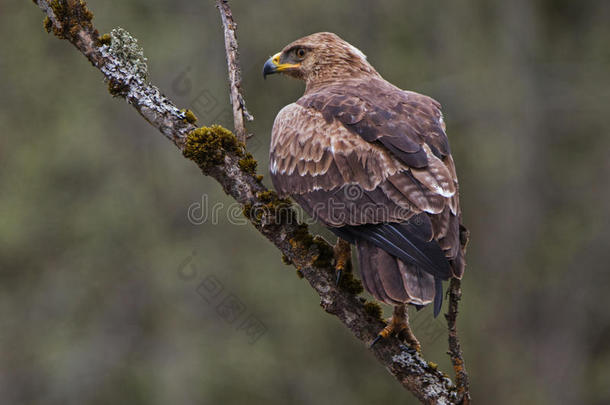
(126, 48)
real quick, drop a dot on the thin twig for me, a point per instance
(240, 113)
(228, 163)
(455, 350)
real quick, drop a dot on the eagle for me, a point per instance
(372, 163)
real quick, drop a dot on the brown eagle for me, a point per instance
(371, 162)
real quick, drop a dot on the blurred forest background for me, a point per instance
(100, 263)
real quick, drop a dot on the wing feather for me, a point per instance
(391, 145)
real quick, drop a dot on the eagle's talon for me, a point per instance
(377, 339)
(398, 326)
(338, 277)
(342, 252)
(408, 337)
(412, 351)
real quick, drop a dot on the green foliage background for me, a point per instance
(94, 226)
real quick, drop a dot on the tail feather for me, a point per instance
(393, 281)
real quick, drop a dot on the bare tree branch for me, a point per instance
(240, 113)
(222, 156)
(455, 351)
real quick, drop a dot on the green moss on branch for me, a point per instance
(208, 146)
(105, 39)
(350, 283)
(373, 309)
(189, 116)
(72, 16)
(325, 253)
(117, 88)
(248, 164)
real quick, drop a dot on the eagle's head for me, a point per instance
(317, 58)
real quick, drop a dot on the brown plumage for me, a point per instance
(372, 162)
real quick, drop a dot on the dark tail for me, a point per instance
(393, 281)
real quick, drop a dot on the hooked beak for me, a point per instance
(273, 65)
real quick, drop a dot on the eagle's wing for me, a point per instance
(373, 162)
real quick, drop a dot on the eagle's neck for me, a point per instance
(330, 75)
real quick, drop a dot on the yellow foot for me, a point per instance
(343, 254)
(399, 326)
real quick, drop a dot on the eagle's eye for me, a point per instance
(300, 52)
